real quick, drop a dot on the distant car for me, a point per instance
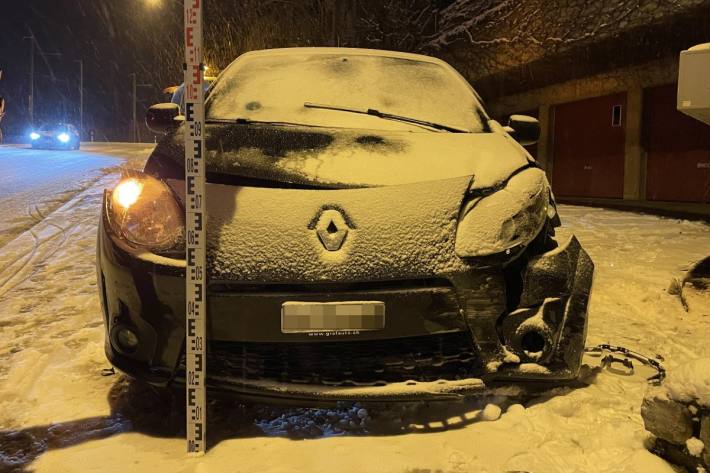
(55, 136)
(372, 235)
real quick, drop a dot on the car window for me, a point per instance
(275, 87)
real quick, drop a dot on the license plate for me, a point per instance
(332, 316)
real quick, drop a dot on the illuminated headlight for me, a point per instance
(143, 210)
(34, 135)
(63, 137)
(506, 219)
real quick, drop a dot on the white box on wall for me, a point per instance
(694, 82)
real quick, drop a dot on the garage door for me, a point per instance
(588, 151)
(678, 150)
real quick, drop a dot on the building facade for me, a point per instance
(606, 101)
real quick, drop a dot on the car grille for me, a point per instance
(352, 363)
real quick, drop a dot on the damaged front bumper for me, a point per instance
(531, 327)
(543, 338)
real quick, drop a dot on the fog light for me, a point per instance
(127, 340)
(533, 343)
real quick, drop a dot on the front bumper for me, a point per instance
(446, 337)
(53, 143)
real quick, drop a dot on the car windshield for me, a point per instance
(274, 88)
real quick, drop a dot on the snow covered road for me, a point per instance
(58, 414)
(34, 182)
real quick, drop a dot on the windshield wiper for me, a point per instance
(387, 116)
(249, 121)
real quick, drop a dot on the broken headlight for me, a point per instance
(506, 219)
(143, 210)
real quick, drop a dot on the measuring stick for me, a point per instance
(195, 235)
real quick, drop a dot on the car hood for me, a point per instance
(347, 158)
(275, 235)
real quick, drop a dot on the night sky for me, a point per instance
(113, 38)
(116, 38)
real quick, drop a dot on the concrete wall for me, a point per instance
(631, 80)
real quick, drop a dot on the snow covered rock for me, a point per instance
(666, 418)
(678, 414)
(491, 412)
(690, 383)
(705, 438)
(695, 446)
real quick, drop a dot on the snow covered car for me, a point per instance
(371, 234)
(52, 135)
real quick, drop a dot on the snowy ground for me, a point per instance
(58, 414)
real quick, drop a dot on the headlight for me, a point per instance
(143, 210)
(63, 137)
(505, 219)
(34, 135)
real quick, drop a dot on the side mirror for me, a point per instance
(163, 117)
(525, 130)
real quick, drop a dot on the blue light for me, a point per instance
(34, 135)
(63, 137)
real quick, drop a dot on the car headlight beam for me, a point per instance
(144, 211)
(127, 192)
(34, 135)
(508, 218)
(63, 137)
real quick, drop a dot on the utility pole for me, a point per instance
(30, 103)
(134, 126)
(81, 98)
(33, 44)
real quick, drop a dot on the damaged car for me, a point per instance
(371, 235)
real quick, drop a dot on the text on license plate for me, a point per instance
(323, 316)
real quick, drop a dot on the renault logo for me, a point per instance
(332, 229)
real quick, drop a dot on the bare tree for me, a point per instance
(398, 25)
(499, 34)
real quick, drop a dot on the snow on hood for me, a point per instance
(346, 158)
(262, 234)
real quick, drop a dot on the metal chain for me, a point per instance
(610, 359)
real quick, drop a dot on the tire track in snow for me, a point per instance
(19, 257)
